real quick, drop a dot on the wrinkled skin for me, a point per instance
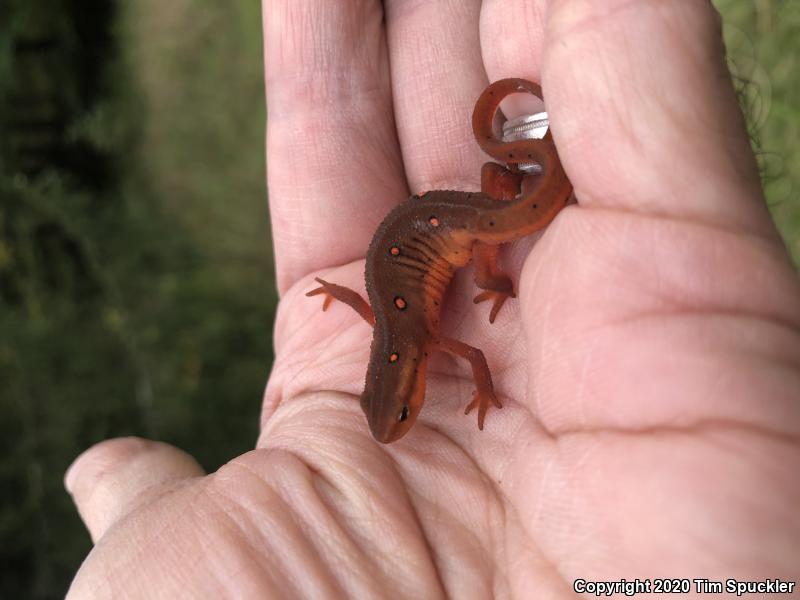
(649, 369)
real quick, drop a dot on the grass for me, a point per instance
(142, 306)
(763, 42)
(200, 68)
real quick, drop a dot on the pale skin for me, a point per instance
(649, 368)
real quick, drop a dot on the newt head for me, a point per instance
(394, 390)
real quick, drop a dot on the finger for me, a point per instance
(107, 481)
(437, 74)
(512, 35)
(333, 161)
(644, 112)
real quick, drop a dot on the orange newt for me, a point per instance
(415, 252)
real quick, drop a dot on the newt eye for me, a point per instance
(403, 414)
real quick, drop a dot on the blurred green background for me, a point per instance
(136, 279)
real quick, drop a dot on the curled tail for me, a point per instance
(536, 208)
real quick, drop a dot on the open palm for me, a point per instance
(649, 369)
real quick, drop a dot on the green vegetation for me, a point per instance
(136, 285)
(763, 40)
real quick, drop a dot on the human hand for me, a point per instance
(650, 423)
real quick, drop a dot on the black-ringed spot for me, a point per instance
(394, 251)
(433, 221)
(400, 303)
(393, 357)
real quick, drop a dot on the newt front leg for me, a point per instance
(343, 294)
(484, 394)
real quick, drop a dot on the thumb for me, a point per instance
(112, 478)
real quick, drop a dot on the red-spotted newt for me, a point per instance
(415, 252)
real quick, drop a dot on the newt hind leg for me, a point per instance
(484, 394)
(496, 285)
(502, 184)
(343, 294)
